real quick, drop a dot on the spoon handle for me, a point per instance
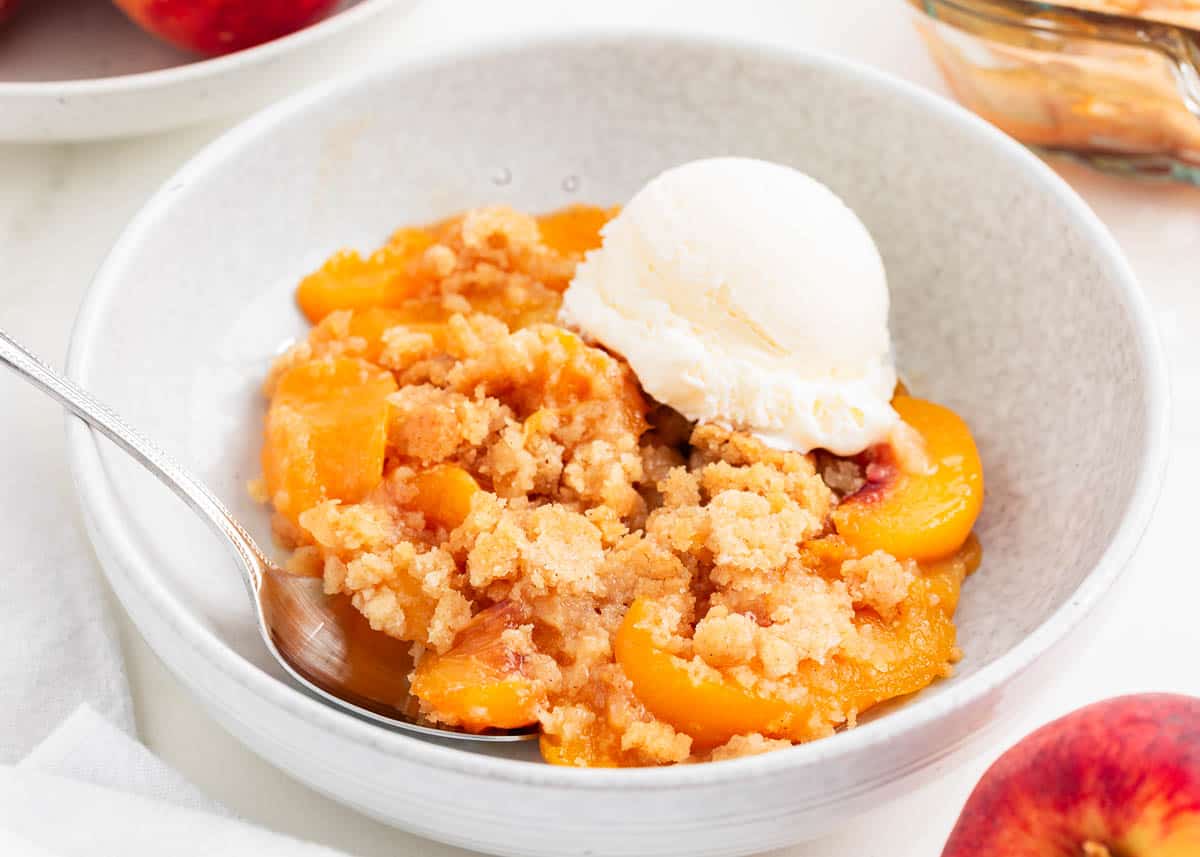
(99, 417)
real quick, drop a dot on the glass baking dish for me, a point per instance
(1116, 84)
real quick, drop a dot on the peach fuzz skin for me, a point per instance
(1119, 778)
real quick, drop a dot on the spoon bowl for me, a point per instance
(321, 641)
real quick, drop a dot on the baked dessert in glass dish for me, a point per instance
(643, 480)
(1114, 83)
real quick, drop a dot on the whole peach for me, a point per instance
(7, 7)
(1119, 778)
(212, 27)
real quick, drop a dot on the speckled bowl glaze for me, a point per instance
(1011, 304)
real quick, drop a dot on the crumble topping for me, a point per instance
(590, 498)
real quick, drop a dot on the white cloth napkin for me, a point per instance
(73, 780)
(90, 789)
(58, 643)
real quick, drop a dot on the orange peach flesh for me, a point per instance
(393, 277)
(711, 708)
(387, 277)
(479, 684)
(444, 495)
(918, 515)
(576, 229)
(326, 433)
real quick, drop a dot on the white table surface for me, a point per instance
(62, 206)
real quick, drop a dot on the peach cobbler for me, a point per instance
(564, 552)
(1084, 87)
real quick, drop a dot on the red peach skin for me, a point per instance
(213, 27)
(1120, 778)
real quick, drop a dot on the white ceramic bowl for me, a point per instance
(80, 70)
(1011, 304)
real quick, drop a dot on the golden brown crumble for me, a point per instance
(591, 497)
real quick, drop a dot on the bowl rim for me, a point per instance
(94, 488)
(198, 69)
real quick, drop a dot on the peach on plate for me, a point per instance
(213, 27)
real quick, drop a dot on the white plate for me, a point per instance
(1011, 303)
(79, 69)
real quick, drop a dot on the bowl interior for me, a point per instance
(1006, 306)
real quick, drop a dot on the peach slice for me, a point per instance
(479, 684)
(369, 324)
(915, 649)
(444, 495)
(594, 748)
(535, 307)
(387, 277)
(947, 575)
(582, 371)
(920, 515)
(393, 276)
(430, 315)
(575, 229)
(708, 707)
(908, 654)
(326, 431)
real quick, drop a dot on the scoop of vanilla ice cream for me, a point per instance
(746, 293)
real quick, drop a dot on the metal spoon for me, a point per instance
(322, 641)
